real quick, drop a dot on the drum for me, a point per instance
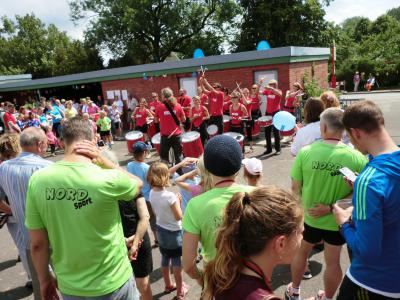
(151, 128)
(227, 123)
(212, 130)
(255, 131)
(132, 137)
(191, 143)
(156, 141)
(287, 133)
(237, 136)
(265, 121)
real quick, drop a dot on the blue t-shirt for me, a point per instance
(186, 196)
(140, 170)
(55, 113)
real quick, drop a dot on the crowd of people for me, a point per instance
(87, 234)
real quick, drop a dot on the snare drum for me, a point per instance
(287, 133)
(132, 137)
(156, 141)
(265, 121)
(191, 143)
(255, 131)
(237, 136)
(212, 130)
(151, 128)
(227, 123)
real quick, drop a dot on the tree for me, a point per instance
(395, 13)
(282, 23)
(28, 46)
(143, 31)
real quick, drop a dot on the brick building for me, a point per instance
(285, 64)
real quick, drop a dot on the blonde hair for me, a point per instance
(250, 222)
(158, 175)
(330, 100)
(9, 146)
(206, 178)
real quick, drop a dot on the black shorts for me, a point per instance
(142, 129)
(143, 265)
(117, 125)
(105, 133)
(314, 235)
(351, 291)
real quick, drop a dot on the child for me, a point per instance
(104, 123)
(140, 169)
(252, 171)
(169, 228)
(51, 139)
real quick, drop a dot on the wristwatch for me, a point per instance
(348, 222)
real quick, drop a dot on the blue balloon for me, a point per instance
(263, 45)
(198, 53)
(284, 121)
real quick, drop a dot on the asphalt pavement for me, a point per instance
(276, 171)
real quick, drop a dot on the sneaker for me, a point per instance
(112, 143)
(307, 275)
(266, 152)
(289, 295)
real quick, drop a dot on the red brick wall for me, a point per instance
(297, 71)
(228, 78)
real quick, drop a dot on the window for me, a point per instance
(189, 84)
(267, 75)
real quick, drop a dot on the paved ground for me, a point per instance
(276, 171)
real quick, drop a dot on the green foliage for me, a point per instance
(283, 23)
(370, 48)
(144, 31)
(311, 86)
(28, 46)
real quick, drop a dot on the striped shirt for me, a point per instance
(15, 175)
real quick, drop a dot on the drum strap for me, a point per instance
(171, 111)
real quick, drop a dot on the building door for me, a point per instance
(267, 75)
(189, 84)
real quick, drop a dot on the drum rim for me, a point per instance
(136, 132)
(193, 134)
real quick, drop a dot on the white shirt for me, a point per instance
(161, 202)
(306, 136)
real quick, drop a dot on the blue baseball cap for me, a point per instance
(139, 147)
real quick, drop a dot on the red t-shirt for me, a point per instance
(9, 118)
(198, 115)
(227, 103)
(204, 100)
(247, 106)
(247, 288)
(185, 102)
(255, 102)
(236, 115)
(289, 104)
(153, 105)
(216, 103)
(273, 102)
(167, 122)
(140, 116)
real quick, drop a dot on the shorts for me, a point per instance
(105, 133)
(142, 129)
(117, 125)
(314, 235)
(143, 265)
(170, 242)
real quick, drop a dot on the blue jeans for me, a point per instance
(126, 292)
(170, 244)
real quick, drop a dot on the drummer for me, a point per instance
(249, 123)
(227, 101)
(292, 98)
(198, 116)
(203, 97)
(140, 116)
(216, 98)
(238, 112)
(153, 103)
(186, 102)
(274, 96)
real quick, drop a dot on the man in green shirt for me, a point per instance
(72, 207)
(203, 214)
(315, 180)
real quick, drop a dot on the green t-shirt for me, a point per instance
(77, 203)
(313, 166)
(104, 123)
(204, 214)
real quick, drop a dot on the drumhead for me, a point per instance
(212, 129)
(133, 135)
(156, 139)
(237, 136)
(265, 119)
(226, 118)
(190, 136)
